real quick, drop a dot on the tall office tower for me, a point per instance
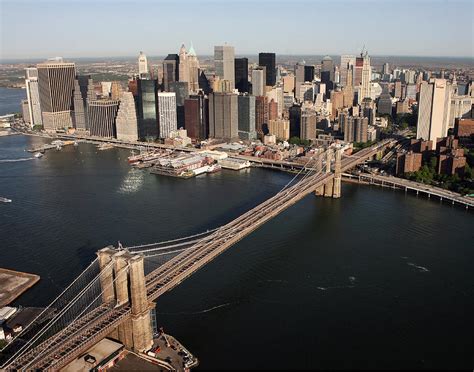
(289, 84)
(267, 60)
(223, 116)
(308, 124)
(246, 117)
(366, 77)
(359, 64)
(116, 90)
(411, 91)
(147, 109)
(193, 74)
(258, 81)
(272, 109)
(142, 66)
(32, 95)
(242, 74)
(204, 83)
(280, 128)
(308, 73)
(167, 113)
(306, 92)
(196, 116)
(101, 114)
(386, 69)
(56, 86)
(347, 62)
(433, 110)
(170, 70)
(361, 126)
(295, 120)
(348, 126)
(126, 121)
(397, 89)
(327, 72)
(183, 64)
(409, 76)
(299, 77)
(181, 88)
(368, 110)
(224, 59)
(337, 101)
(277, 95)
(83, 93)
(261, 116)
(384, 105)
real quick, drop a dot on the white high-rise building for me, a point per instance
(346, 62)
(258, 82)
(126, 121)
(434, 110)
(167, 113)
(225, 65)
(277, 95)
(365, 87)
(142, 65)
(32, 94)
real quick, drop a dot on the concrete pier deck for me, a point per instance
(13, 284)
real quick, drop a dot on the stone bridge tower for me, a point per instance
(123, 284)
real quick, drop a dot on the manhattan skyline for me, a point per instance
(392, 28)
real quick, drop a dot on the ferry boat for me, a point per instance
(5, 200)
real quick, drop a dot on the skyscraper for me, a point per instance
(261, 116)
(147, 109)
(361, 125)
(242, 74)
(258, 81)
(366, 75)
(193, 74)
(308, 125)
(347, 62)
(224, 59)
(142, 65)
(223, 116)
(196, 116)
(183, 64)
(246, 117)
(170, 70)
(308, 73)
(101, 114)
(181, 88)
(327, 72)
(126, 121)
(56, 86)
(83, 93)
(32, 94)
(166, 113)
(268, 61)
(433, 110)
(299, 77)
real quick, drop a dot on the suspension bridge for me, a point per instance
(113, 296)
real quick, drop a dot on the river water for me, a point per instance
(376, 279)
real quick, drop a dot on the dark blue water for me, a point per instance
(376, 279)
(10, 100)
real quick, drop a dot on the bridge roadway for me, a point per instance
(64, 347)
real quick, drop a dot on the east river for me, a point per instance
(376, 279)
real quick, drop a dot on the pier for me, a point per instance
(13, 284)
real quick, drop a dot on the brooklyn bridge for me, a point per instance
(113, 296)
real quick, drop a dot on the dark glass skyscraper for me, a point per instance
(308, 73)
(242, 74)
(147, 109)
(196, 114)
(170, 70)
(268, 60)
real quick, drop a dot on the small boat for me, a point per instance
(38, 155)
(5, 200)
(105, 146)
(76, 143)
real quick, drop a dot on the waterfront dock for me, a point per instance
(13, 284)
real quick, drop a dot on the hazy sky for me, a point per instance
(78, 28)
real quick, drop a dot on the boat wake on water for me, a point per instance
(199, 312)
(15, 160)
